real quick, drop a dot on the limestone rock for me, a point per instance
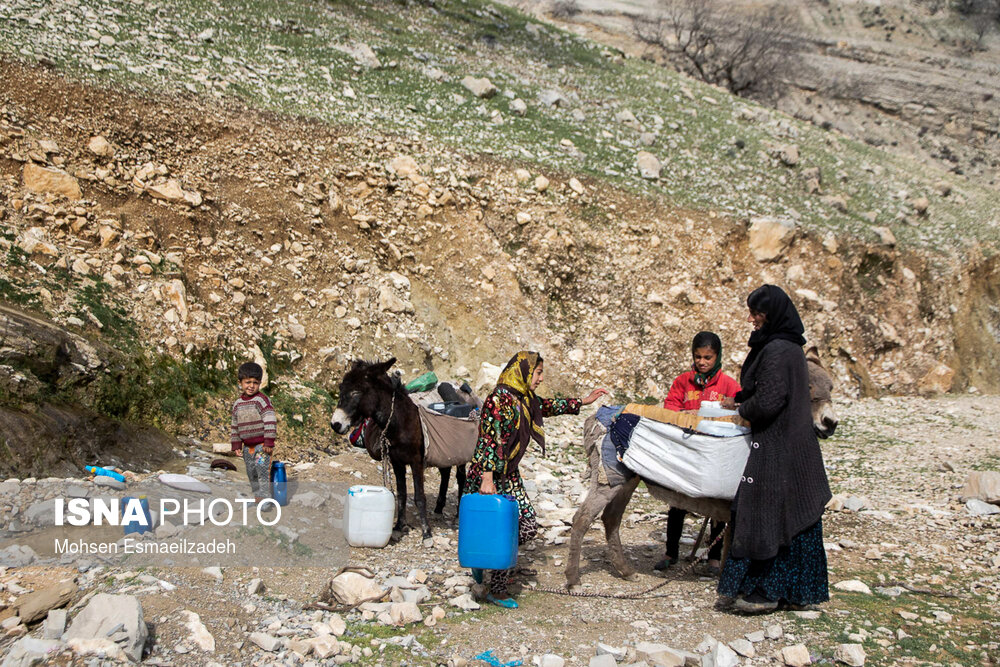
(101, 147)
(388, 301)
(351, 588)
(920, 205)
(850, 654)
(362, 54)
(32, 241)
(853, 586)
(49, 180)
(519, 107)
(265, 641)
(658, 654)
(937, 380)
(404, 613)
(770, 237)
(482, 88)
(648, 165)
(405, 166)
(34, 606)
(172, 191)
(199, 633)
(576, 186)
(796, 656)
(464, 602)
(176, 296)
(541, 183)
(982, 485)
(976, 507)
(103, 614)
(789, 155)
(885, 235)
(29, 651)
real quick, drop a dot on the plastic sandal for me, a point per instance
(477, 575)
(506, 603)
(665, 564)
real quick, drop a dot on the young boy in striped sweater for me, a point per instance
(254, 429)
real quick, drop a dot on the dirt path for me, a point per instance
(904, 459)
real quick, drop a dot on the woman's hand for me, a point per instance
(487, 487)
(728, 403)
(594, 395)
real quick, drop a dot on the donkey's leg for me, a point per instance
(418, 496)
(612, 519)
(443, 491)
(460, 476)
(597, 499)
(399, 470)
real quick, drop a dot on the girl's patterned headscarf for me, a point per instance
(516, 378)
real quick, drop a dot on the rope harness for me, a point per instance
(636, 595)
(383, 445)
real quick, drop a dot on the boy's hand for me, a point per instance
(268, 450)
(238, 451)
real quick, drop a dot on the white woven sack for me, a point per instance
(700, 466)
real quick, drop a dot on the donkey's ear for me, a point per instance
(379, 369)
(812, 354)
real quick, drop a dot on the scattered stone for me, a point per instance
(937, 380)
(213, 571)
(265, 641)
(982, 485)
(100, 147)
(770, 237)
(796, 656)
(48, 180)
(551, 660)
(111, 615)
(541, 183)
(518, 107)
(744, 647)
(34, 606)
(775, 632)
(853, 586)
(55, 624)
(404, 613)
(464, 602)
(789, 155)
(660, 655)
(649, 165)
(723, 656)
(885, 235)
(576, 186)
(976, 507)
(362, 54)
(850, 654)
(482, 88)
(172, 191)
(602, 661)
(256, 586)
(920, 205)
(29, 651)
(199, 633)
(17, 555)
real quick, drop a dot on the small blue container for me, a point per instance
(136, 525)
(279, 483)
(487, 532)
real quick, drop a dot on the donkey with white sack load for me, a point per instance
(676, 456)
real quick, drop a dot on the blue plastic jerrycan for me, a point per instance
(279, 483)
(133, 524)
(487, 532)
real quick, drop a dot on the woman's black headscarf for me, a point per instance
(782, 323)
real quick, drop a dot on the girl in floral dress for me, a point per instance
(511, 418)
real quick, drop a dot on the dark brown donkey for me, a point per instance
(367, 391)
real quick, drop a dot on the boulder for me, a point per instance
(487, 377)
(937, 380)
(850, 654)
(770, 237)
(982, 485)
(723, 656)
(102, 617)
(648, 165)
(33, 241)
(34, 606)
(55, 624)
(482, 88)
(47, 180)
(658, 654)
(976, 507)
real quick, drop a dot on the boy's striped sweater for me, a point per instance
(254, 422)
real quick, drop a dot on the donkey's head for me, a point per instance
(820, 394)
(365, 391)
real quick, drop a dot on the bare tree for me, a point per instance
(743, 51)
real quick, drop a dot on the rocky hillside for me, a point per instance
(187, 185)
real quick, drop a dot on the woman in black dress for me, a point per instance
(777, 551)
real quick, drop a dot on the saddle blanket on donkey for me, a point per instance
(448, 440)
(643, 441)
